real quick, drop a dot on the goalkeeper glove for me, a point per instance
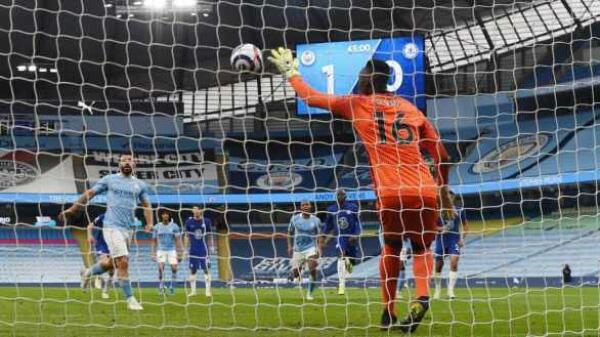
(285, 62)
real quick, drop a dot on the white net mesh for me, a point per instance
(510, 86)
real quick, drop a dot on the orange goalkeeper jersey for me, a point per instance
(393, 132)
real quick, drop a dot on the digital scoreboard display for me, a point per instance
(333, 67)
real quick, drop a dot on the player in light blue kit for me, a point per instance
(123, 193)
(96, 239)
(303, 236)
(166, 248)
(449, 242)
(197, 231)
(342, 220)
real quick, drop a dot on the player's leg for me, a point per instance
(99, 268)
(117, 241)
(425, 218)
(194, 265)
(341, 270)
(453, 274)
(389, 262)
(312, 267)
(161, 275)
(205, 265)
(172, 259)
(108, 281)
(439, 266)
(401, 278)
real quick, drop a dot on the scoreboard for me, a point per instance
(333, 67)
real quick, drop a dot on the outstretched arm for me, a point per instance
(285, 62)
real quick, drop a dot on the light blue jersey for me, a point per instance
(304, 230)
(122, 197)
(166, 235)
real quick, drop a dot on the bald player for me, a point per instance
(394, 132)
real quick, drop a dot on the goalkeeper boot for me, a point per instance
(388, 320)
(341, 289)
(418, 309)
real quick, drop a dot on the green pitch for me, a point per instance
(281, 312)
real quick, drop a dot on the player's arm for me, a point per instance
(464, 227)
(290, 237)
(212, 248)
(179, 244)
(147, 207)
(153, 244)
(90, 233)
(186, 238)
(285, 62)
(85, 197)
(432, 143)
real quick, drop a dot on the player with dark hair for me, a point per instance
(166, 248)
(123, 192)
(197, 231)
(393, 132)
(303, 244)
(342, 220)
(449, 242)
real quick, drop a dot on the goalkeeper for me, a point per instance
(393, 132)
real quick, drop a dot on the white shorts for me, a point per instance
(117, 241)
(166, 256)
(299, 258)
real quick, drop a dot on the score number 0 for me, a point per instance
(329, 72)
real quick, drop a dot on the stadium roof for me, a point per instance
(97, 49)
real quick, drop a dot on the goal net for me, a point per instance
(511, 87)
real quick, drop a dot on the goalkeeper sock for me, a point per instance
(422, 266)
(452, 277)
(126, 286)
(389, 267)
(96, 269)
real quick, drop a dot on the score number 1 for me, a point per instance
(329, 72)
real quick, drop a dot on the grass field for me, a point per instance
(281, 312)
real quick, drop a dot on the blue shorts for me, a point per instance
(446, 246)
(101, 248)
(199, 261)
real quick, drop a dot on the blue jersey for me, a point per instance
(196, 230)
(100, 246)
(122, 197)
(304, 230)
(166, 235)
(343, 222)
(451, 229)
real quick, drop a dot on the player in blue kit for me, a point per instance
(166, 248)
(342, 220)
(96, 239)
(123, 193)
(303, 235)
(449, 242)
(197, 231)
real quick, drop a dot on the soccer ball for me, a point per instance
(246, 57)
